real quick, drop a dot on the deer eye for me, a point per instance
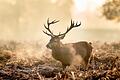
(55, 40)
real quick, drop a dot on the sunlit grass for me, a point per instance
(20, 57)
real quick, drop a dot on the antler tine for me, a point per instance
(77, 24)
(48, 27)
(49, 23)
(54, 21)
(73, 25)
(47, 33)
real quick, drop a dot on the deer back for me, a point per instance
(83, 49)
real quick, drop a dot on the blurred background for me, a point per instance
(24, 19)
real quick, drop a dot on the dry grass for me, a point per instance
(28, 60)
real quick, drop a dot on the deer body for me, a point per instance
(69, 53)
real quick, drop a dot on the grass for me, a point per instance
(28, 60)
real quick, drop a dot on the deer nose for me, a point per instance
(48, 46)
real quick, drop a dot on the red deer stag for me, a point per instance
(67, 53)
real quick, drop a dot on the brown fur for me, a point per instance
(70, 53)
(84, 49)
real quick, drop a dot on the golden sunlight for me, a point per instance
(83, 5)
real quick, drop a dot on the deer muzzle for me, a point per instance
(48, 46)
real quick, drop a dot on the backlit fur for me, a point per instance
(70, 53)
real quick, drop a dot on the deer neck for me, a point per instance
(58, 47)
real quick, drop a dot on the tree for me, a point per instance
(111, 10)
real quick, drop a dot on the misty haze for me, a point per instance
(25, 19)
(38, 42)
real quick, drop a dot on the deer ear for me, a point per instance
(62, 36)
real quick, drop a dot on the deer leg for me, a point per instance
(65, 65)
(86, 63)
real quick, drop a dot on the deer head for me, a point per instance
(55, 39)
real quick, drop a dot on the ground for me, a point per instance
(30, 61)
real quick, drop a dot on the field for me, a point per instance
(22, 60)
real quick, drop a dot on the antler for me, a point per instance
(48, 27)
(73, 25)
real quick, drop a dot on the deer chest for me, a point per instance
(65, 55)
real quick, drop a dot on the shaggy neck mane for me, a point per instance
(58, 46)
